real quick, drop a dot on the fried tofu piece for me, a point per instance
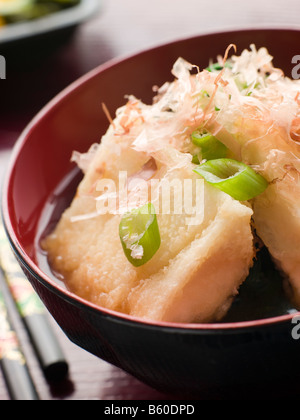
(254, 109)
(204, 255)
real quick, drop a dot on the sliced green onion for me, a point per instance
(218, 67)
(211, 147)
(234, 178)
(139, 234)
(196, 160)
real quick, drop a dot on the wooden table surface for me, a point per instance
(122, 27)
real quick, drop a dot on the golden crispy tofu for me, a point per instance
(260, 124)
(206, 248)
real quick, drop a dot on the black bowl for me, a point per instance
(185, 360)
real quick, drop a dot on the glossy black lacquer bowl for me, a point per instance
(257, 343)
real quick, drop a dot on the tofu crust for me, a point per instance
(198, 268)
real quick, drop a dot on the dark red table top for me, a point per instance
(122, 27)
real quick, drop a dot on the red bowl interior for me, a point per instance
(74, 120)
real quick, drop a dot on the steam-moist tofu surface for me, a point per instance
(198, 267)
(203, 258)
(276, 217)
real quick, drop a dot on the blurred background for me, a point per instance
(40, 67)
(43, 57)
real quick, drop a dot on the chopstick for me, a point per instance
(12, 360)
(33, 314)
